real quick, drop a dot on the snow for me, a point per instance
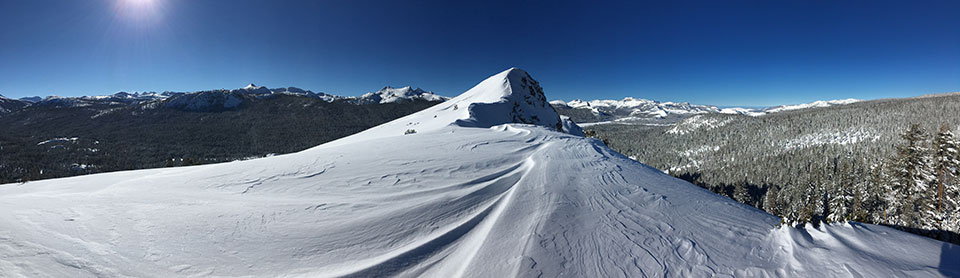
(487, 187)
(59, 140)
(570, 127)
(742, 111)
(634, 109)
(815, 104)
(389, 95)
(760, 112)
(639, 108)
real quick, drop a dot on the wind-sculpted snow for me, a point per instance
(508, 200)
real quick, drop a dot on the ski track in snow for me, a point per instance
(513, 200)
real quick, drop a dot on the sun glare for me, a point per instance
(142, 11)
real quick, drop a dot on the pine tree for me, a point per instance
(800, 205)
(913, 177)
(841, 196)
(890, 198)
(740, 192)
(770, 202)
(868, 204)
(813, 204)
(946, 163)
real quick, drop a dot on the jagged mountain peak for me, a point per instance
(511, 96)
(512, 91)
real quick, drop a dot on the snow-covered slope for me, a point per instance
(473, 192)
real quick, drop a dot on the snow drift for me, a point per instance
(485, 186)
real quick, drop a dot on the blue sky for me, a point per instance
(712, 52)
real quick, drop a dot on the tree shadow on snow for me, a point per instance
(950, 260)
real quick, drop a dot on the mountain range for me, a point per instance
(633, 109)
(584, 112)
(214, 100)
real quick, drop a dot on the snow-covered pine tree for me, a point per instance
(788, 198)
(841, 196)
(799, 205)
(868, 201)
(814, 205)
(770, 202)
(891, 193)
(946, 163)
(913, 174)
(740, 192)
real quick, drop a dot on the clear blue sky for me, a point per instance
(711, 52)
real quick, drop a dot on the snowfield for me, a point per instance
(487, 187)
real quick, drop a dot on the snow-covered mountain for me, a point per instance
(640, 109)
(815, 104)
(482, 185)
(389, 94)
(132, 97)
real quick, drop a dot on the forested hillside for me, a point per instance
(50, 141)
(887, 161)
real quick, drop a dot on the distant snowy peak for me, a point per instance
(743, 111)
(389, 95)
(136, 96)
(642, 108)
(783, 108)
(257, 90)
(307, 93)
(639, 108)
(815, 104)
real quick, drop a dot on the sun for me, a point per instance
(139, 10)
